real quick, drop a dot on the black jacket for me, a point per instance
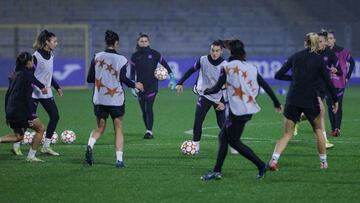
(143, 64)
(306, 68)
(18, 102)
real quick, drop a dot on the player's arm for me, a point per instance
(263, 84)
(188, 73)
(91, 74)
(217, 87)
(127, 81)
(281, 73)
(28, 89)
(351, 67)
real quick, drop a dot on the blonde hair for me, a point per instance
(312, 42)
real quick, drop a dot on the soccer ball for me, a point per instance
(160, 72)
(28, 137)
(68, 137)
(188, 148)
(54, 138)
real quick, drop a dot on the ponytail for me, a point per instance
(40, 41)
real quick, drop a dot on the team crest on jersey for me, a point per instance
(150, 56)
(326, 58)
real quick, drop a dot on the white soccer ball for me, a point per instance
(160, 72)
(188, 148)
(68, 137)
(28, 137)
(54, 138)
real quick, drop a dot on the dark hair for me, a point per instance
(236, 47)
(111, 37)
(22, 59)
(141, 35)
(41, 39)
(219, 43)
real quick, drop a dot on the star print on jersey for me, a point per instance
(250, 99)
(244, 74)
(227, 70)
(101, 63)
(238, 92)
(98, 84)
(236, 70)
(112, 91)
(109, 67)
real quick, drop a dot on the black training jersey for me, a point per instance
(143, 64)
(18, 100)
(306, 68)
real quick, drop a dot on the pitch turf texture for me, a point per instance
(156, 171)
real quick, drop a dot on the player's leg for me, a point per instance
(149, 103)
(338, 115)
(39, 129)
(119, 141)
(322, 122)
(291, 116)
(101, 113)
(52, 110)
(321, 146)
(202, 107)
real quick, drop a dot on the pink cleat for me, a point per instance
(273, 166)
(324, 165)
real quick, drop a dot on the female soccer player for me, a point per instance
(339, 81)
(44, 46)
(332, 67)
(18, 105)
(306, 66)
(242, 83)
(108, 72)
(143, 64)
(209, 67)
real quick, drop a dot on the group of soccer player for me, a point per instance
(229, 86)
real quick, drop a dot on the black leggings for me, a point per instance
(52, 110)
(146, 102)
(202, 107)
(230, 134)
(335, 118)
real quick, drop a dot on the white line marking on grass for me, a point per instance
(257, 139)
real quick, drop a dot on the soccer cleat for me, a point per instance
(34, 159)
(296, 129)
(324, 165)
(89, 156)
(48, 150)
(148, 136)
(17, 151)
(336, 132)
(273, 166)
(329, 145)
(262, 172)
(211, 176)
(120, 164)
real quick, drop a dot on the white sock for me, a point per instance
(197, 144)
(91, 142)
(47, 142)
(119, 155)
(275, 157)
(16, 145)
(31, 153)
(323, 158)
(324, 133)
(149, 131)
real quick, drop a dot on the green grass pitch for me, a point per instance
(156, 171)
